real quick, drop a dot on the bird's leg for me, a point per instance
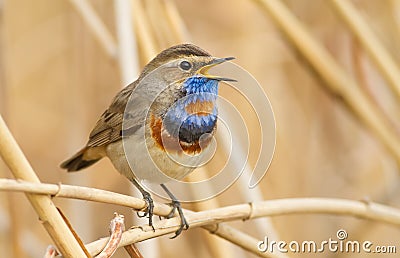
(150, 204)
(176, 205)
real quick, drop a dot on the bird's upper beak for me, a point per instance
(212, 63)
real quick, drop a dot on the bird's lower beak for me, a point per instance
(212, 63)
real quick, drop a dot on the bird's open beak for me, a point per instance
(212, 63)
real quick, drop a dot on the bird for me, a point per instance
(170, 112)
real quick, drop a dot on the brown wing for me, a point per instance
(108, 127)
(107, 130)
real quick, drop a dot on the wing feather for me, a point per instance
(108, 128)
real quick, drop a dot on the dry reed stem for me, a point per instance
(216, 248)
(261, 225)
(127, 51)
(133, 251)
(255, 210)
(337, 80)
(370, 41)
(239, 238)
(156, 12)
(208, 219)
(157, 24)
(44, 207)
(81, 193)
(142, 28)
(175, 21)
(96, 26)
(117, 227)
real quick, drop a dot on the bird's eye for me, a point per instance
(185, 65)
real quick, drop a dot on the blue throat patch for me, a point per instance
(189, 127)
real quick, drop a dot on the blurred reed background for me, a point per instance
(57, 77)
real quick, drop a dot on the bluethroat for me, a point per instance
(174, 121)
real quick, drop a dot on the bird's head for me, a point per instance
(187, 105)
(180, 62)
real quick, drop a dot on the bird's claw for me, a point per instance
(149, 211)
(176, 206)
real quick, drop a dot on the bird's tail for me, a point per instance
(78, 161)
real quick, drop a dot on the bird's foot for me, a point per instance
(176, 206)
(149, 209)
